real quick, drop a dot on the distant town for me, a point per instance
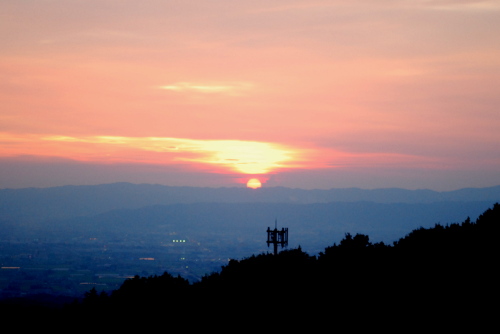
(73, 267)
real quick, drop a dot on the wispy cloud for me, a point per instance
(462, 5)
(236, 88)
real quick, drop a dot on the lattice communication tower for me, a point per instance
(277, 237)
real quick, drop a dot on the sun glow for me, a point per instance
(254, 184)
(245, 157)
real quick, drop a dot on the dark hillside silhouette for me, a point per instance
(445, 273)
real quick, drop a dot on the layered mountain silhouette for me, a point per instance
(316, 218)
(73, 201)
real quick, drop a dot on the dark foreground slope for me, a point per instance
(440, 276)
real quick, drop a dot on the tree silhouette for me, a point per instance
(443, 270)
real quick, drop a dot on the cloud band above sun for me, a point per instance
(245, 157)
(214, 156)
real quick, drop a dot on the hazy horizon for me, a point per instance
(240, 186)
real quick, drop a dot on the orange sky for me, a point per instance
(310, 94)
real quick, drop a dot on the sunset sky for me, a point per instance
(303, 94)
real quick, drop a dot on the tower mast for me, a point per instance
(277, 237)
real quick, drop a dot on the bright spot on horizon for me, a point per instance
(254, 184)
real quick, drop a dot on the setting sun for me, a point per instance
(254, 184)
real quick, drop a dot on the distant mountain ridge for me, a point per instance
(313, 225)
(72, 201)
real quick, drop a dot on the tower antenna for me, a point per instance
(277, 237)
